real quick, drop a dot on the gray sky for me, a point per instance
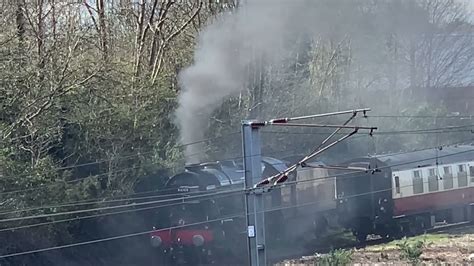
(471, 7)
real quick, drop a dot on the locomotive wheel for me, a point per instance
(360, 236)
(398, 231)
(361, 231)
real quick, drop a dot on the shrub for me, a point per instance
(337, 257)
(411, 252)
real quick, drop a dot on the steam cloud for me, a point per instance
(267, 29)
(225, 50)
(258, 29)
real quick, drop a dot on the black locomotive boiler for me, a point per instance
(211, 227)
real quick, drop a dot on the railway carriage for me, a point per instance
(407, 193)
(440, 189)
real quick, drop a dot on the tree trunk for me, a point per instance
(139, 41)
(20, 24)
(40, 40)
(20, 33)
(102, 27)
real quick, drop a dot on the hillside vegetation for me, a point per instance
(89, 89)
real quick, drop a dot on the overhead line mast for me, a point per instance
(256, 187)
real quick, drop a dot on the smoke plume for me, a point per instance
(224, 52)
(267, 29)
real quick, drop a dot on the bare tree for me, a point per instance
(440, 50)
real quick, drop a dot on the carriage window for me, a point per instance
(433, 184)
(471, 173)
(447, 177)
(447, 169)
(397, 185)
(416, 174)
(462, 176)
(432, 172)
(417, 182)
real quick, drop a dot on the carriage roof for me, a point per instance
(428, 157)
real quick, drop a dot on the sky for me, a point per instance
(471, 7)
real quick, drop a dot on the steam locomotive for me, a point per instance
(388, 195)
(206, 229)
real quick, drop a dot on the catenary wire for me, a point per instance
(79, 179)
(233, 133)
(237, 215)
(243, 190)
(112, 207)
(424, 116)
(105, 214)
(107, 173)
(86, 210)
(95, 209)
(74, 204)
(100, 201)
(276, 132)
(383, 167)
(80, 203)
(113, 238)
(134, 155)
(121, 170)
(90, 202)
(415, 131)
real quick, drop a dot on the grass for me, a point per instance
(333, 239)
(337, 257)
(426, 238)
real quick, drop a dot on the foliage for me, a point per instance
(88, 93)
(337, 257)
(411, 251)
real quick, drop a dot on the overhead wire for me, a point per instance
(113, 238)
(75, 204)
(90, 203)
(425, 116)
(427, 148)
(196, 142)
(237, 215)
(105, 214)
(133, 155)
(345, 197)
(103, 200)
(236, 191)
(81, 179)
(415, 131)
(382, 167)
(85, 203)
(94, 209)
(111, 207)
(102, 174)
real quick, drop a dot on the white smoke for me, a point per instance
(258, 29)
(267, 29)
(225, 50)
